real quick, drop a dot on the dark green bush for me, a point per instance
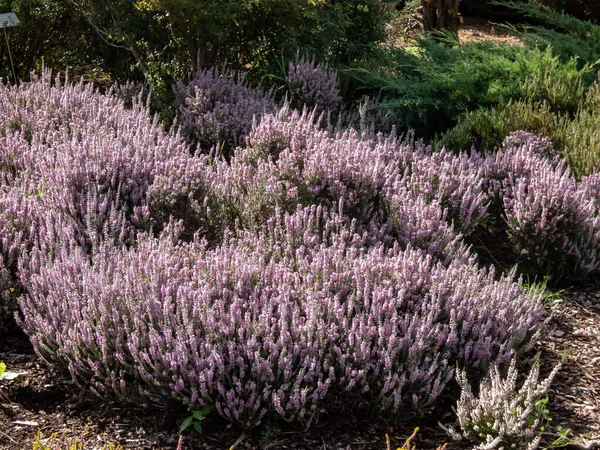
(569, 37)
(49, 29)
(160, 41)
(431, 86)
(175, 36)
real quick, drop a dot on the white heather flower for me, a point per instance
(510, 409)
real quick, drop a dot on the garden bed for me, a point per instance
(51, 400)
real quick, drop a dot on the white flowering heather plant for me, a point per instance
(313, 85)
(215, 109)
(502, 417)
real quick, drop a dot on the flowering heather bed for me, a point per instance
(313, 84)
(312, 270)
(217, 110)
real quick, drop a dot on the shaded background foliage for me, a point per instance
(50, 30)
(158, 40)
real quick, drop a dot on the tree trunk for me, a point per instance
(441, 15)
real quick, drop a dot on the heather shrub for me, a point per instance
(427, 229)
(551, 224)
(280, 322)
(283, 130)
(502, 416)
(290, 160)
(21, 213)
(590, 185)
(215, 109)
(132, 93)
(531, 143)
(312, 265)
(125, 157)
(522, 155)
(78, 166)
(313, 85)
(456, 182)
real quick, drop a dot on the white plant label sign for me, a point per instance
(9, 20)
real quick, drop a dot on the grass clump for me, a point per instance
(57, 442)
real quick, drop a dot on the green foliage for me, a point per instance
(137, 36)
(431, 86)
(579, 141)
(576, 136)
(569, 37)
(196, 418)
(540, 288)
(269, 431)
(51, 31)
(485, 129)
(562, 439)
(168, 38)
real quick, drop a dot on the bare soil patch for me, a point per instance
(407, 27)
(478, 29)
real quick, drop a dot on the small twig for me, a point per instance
(271, 445)
(8, 437)
(324, 444)
(238, 442)
(310, 419)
